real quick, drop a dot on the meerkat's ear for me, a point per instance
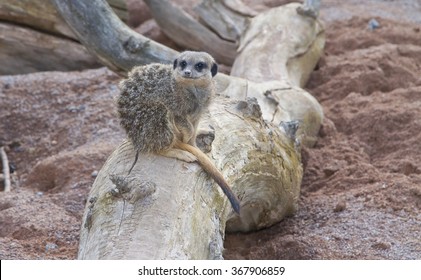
(214, 69)
(175, 63)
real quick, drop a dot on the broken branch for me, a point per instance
(6, 170)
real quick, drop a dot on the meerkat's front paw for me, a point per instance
(180, 154)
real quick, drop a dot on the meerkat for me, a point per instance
(160, 107)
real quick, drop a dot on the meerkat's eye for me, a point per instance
(199, 66)
(183, 64)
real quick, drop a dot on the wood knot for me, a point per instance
(290, 128)
(130, 188)
(204, 139)
(250, 108)
(134, 46)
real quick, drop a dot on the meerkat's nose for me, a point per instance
(187, 73)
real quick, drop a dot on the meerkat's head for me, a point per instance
(193, 67)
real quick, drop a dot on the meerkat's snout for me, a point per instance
(187, 73)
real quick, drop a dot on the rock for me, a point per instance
(373, 24)
(340, 206)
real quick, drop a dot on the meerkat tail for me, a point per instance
(210, 168)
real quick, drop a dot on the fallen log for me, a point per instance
(168, 209)
(26, 51)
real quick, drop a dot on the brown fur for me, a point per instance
(160, 107)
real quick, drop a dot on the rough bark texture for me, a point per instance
(227, 18)
(277, 53)
(168, 209)
(280, 44)
(115, 45)
(189, 33)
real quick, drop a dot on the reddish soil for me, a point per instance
(361, 192)
(58, 129)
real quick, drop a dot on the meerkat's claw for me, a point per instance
(180, 154)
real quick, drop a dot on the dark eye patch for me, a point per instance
(183, 64)
(200, 66)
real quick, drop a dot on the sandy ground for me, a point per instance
(361, 192)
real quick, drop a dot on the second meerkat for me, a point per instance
(160, 107)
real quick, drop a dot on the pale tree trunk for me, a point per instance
(168, 209)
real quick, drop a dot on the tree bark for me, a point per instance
(168, 209)
(115, 45)
(276, 55)
(189, 33)
(227, 18)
